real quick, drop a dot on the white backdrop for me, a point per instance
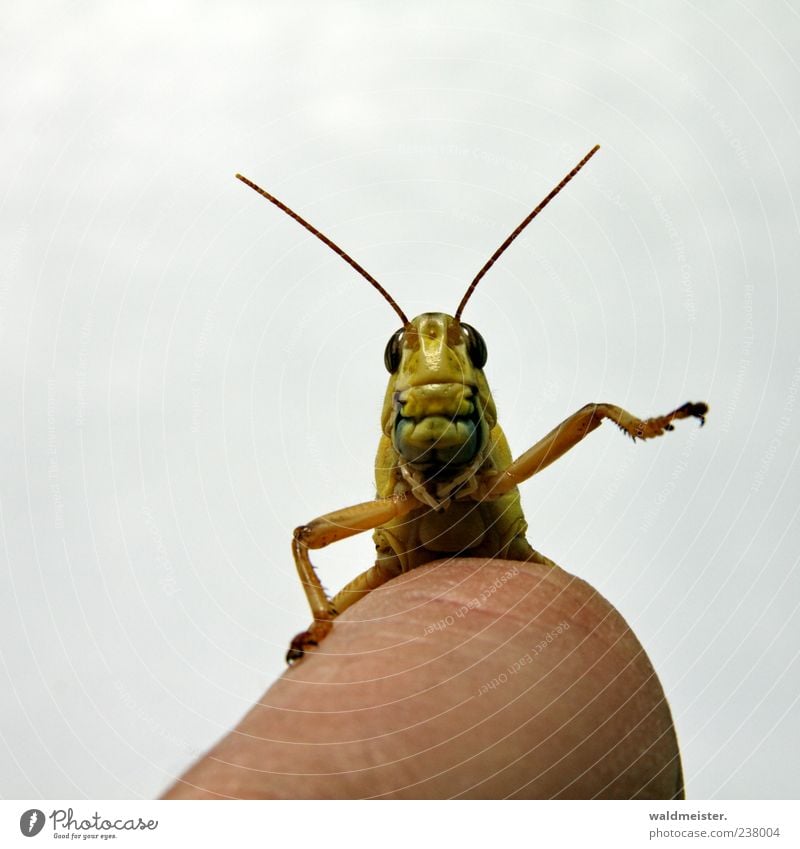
(187, 374)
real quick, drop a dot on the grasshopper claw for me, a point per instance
(298, 646)
(308, 639)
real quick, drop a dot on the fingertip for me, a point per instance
(464, 678)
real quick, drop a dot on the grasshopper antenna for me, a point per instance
(332, 245)
(525, 222)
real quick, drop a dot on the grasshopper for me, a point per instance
(445, 478)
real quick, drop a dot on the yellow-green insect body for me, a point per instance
(440, 443)
(446, 482)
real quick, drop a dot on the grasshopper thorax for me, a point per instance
(438, 410)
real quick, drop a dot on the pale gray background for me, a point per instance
(187, 375)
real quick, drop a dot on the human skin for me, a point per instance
(458, 680)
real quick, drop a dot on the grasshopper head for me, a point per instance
(438, 409)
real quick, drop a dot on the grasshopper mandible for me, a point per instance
(445, 477)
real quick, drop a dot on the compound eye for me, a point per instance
(394, 348)
(476, 347)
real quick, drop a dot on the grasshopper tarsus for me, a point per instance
(297, 649)
(693, 409)
(698, 409)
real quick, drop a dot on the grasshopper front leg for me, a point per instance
(572, 430)
(323, 531)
